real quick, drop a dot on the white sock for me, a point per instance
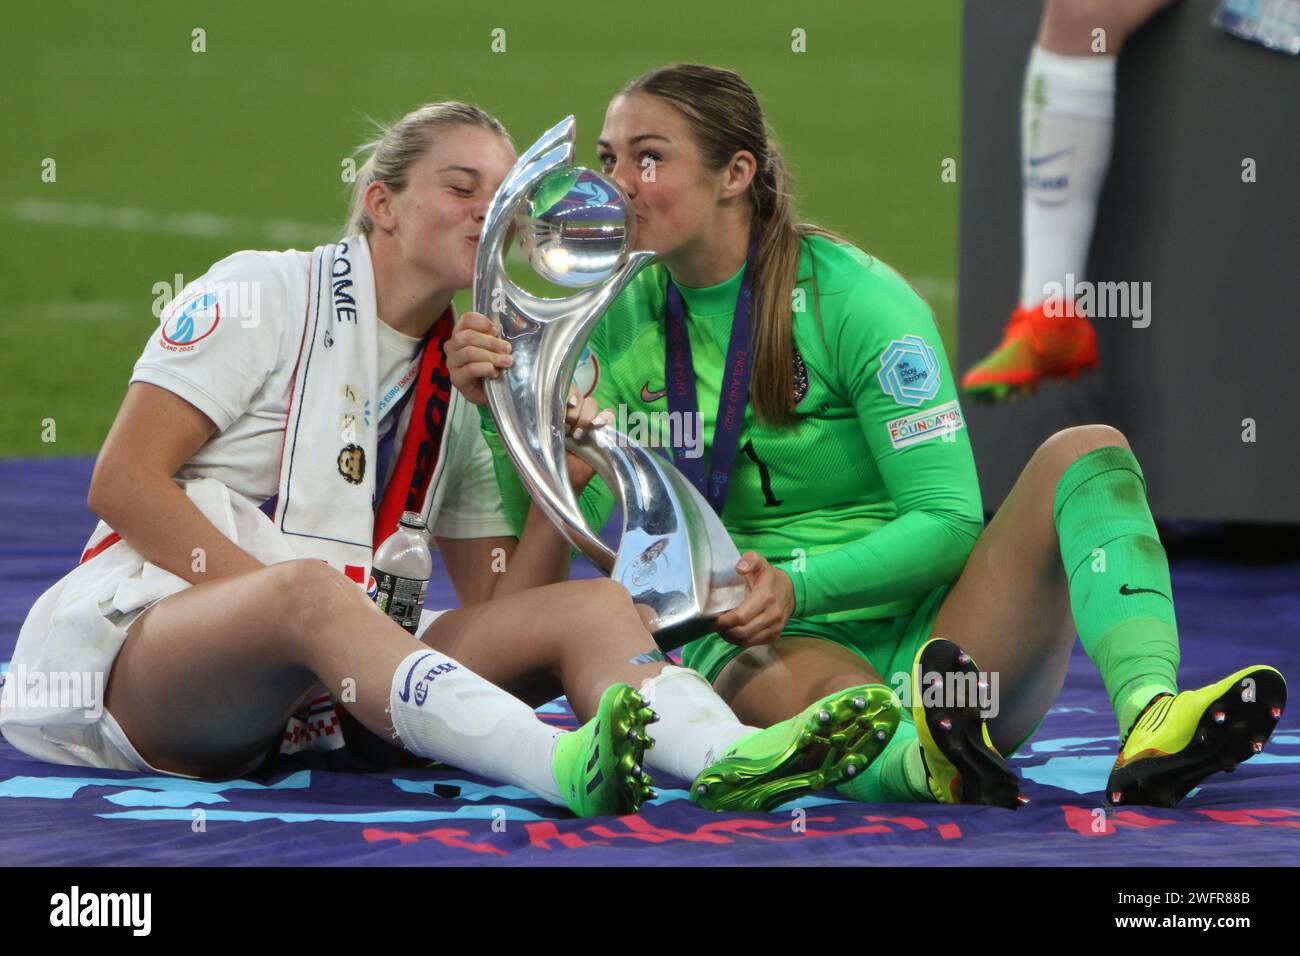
(444, 711)
(695, 725)
(1067, 119)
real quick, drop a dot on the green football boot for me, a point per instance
(831, 741)
(598, 766)
(1180, 740)
(961, 763)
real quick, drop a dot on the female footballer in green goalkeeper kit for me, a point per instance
(852, 489)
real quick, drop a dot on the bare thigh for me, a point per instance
(1067, 25)
(768, 684)
(1011, 606)
(205, 679)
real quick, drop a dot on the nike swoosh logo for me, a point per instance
(405, 692)
(649, 396)
(1126, 590)
(1039, 160)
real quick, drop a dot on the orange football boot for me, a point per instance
(1034, 347)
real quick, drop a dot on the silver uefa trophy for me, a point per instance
(674, 557)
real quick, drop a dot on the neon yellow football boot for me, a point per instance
(961, 763)
(1179, 740)
(598, 766)
(832, 740)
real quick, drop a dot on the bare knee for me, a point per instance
(591, 613)
(1070, 444)
(600, 599)
(305, 594)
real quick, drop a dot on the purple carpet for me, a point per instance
(1230, 615)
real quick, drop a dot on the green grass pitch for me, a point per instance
(167, 159)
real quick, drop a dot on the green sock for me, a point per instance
(896, 776)
(1118, 575)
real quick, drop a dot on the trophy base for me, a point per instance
(674, 636)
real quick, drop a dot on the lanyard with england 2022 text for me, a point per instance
(733, 395)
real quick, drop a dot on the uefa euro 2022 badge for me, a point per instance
(189, 322)
(909, 371)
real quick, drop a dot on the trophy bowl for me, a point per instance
(574, 228)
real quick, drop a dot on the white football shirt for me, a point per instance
(228, 344)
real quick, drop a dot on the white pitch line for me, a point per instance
(198, 225)
(206, 225)
(92, 310)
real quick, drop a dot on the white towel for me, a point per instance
(328, 465)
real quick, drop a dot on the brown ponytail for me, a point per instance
(725, 118)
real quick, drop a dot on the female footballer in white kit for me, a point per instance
(214, 621)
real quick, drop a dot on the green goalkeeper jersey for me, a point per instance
(870, 499)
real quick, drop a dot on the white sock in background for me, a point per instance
(444, 711)
(1067, 121)
(695, 725)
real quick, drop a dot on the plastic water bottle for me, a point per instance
(402, 567)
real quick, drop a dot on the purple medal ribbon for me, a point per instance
(679, 382)
(385, 452)
(387, 446)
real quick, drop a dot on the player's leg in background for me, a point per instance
(1067, 116)
(1068, 26)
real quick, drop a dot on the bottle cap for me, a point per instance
(412, 519)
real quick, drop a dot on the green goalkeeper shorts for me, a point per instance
(888, 644)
